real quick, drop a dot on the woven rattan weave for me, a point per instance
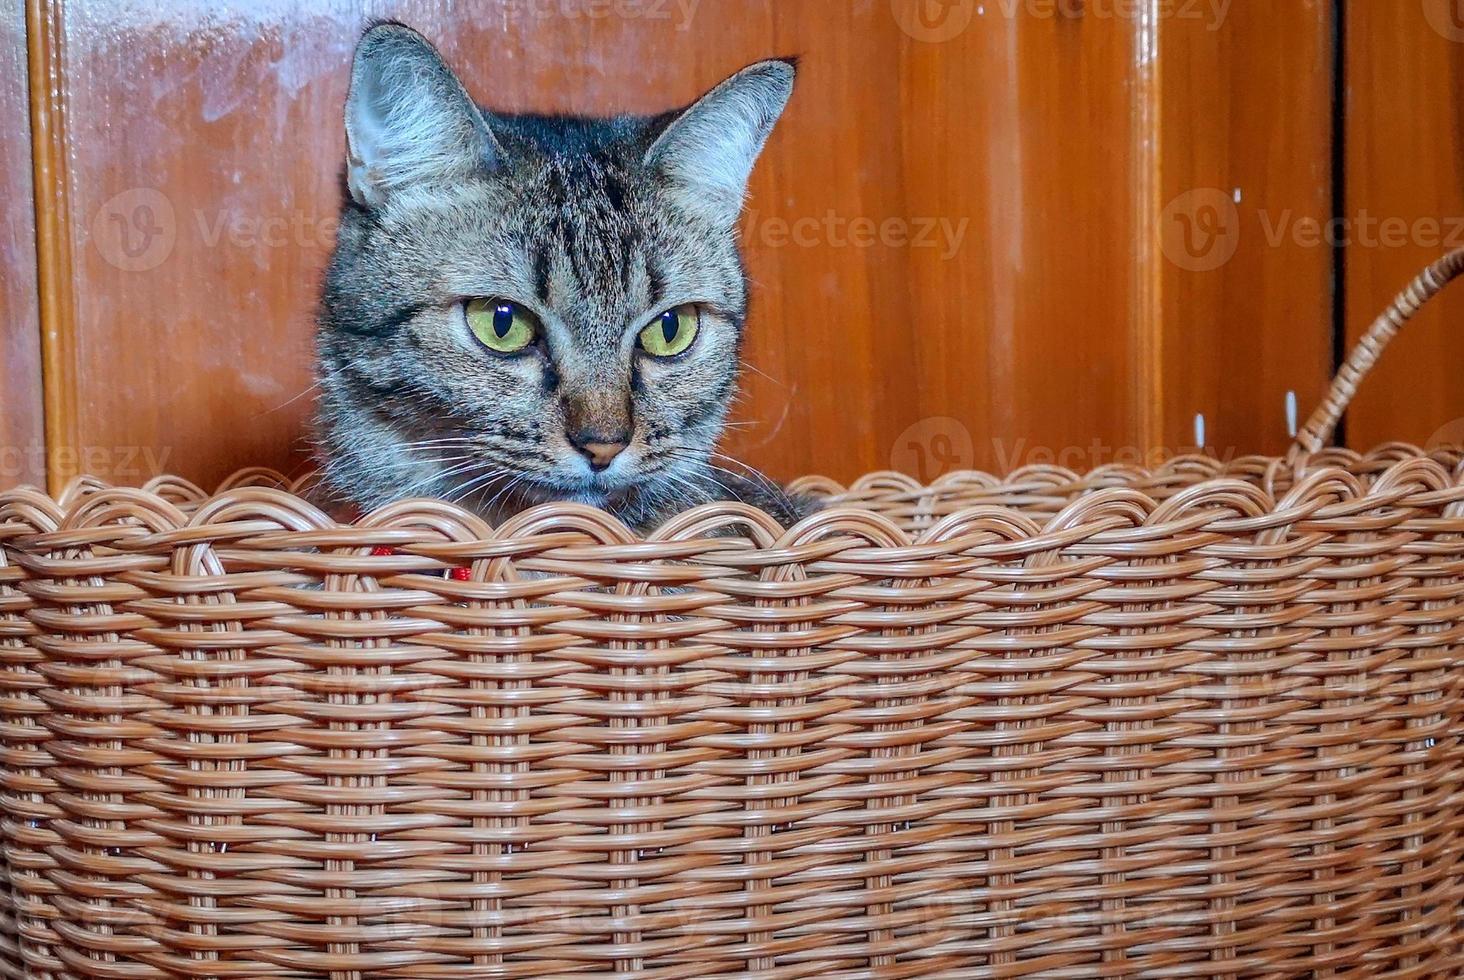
(1199, 721)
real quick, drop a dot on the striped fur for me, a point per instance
(597, 225)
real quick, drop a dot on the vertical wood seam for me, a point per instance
(51, 187)
(1147, 314)
(1339, 200)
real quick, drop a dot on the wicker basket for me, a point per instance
(1199, 721)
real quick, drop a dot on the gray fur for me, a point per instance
(597, 226)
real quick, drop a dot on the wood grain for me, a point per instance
(955, 347)
(951, 235)
(22, 439)
(1245, 140)
(1405, 167)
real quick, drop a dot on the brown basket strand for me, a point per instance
(1181, 727)
(1205, 720)
(1360, 360)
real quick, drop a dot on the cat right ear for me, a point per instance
(409, 121)
(707, 152)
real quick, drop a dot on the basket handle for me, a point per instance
(1426, 285)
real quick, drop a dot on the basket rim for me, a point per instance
(1109, 505)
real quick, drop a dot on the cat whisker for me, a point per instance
(757, 370)
(705, 458)
(750, 471)
(683, 480)
(293, 400)
(439, 444)
(437, 461)
(461, 492)
(493, 502)
(414, 488)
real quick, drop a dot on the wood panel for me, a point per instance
(951, 234)
(22, 440)
(193, 136)
(975, 353)
(1245, 173)
(1405, 205)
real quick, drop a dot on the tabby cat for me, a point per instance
(524, 308)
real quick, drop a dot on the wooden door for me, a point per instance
(22, 438)
(986, 233)
(1404, 159)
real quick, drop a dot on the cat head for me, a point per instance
(525, 308)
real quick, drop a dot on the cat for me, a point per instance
(526, 308)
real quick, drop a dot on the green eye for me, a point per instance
(672, 332)
(501, 325)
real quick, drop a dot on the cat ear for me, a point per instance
(707, 152)
(408, 118)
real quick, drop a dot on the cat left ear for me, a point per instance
(409, 120)
(707, 152)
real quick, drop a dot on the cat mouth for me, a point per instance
(595, 490)
(610, 490)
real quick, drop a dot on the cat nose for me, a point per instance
(599, 450)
